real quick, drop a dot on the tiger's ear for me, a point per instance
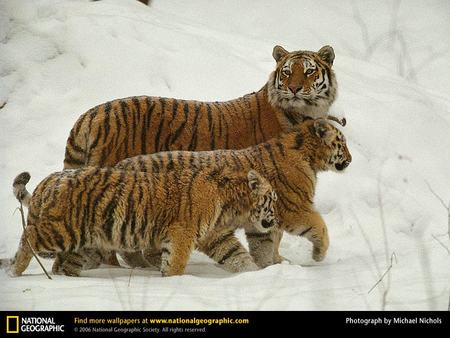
(256, 182)
(322, 130)
(279, 52)
(326, 53)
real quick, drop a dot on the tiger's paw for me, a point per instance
(318, 255)
(281, 260)
(239, 265)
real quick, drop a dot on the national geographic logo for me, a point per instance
(16, 324)
(12, 324)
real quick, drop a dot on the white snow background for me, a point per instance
(60, 58)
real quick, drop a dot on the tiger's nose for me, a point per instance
(266, 224)
(294, 89)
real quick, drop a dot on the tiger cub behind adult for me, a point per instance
(110, 209)
(290, 162)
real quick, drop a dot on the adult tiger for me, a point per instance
(303, 85)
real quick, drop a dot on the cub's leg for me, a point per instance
(110, 258)
(261, 246)
(277, 235)
(21, 260)
(176, 249)
(136, 259)
(315, 230)
(153, 256)
(71, 263)
(24, 254)
(225, 249)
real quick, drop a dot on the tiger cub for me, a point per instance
(290, 162)
(112, 209)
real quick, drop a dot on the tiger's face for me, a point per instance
(262, 215)
(336, 156)
(303, 81)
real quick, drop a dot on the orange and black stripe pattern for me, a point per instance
(124, 128)
(110, 209)
(290, 162)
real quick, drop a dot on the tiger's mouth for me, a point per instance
(341, 166)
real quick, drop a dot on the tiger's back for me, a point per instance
(123, 128)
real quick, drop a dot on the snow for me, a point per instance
(59, 58)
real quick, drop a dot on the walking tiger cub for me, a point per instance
(290, 162)
(303, 85)
(75, 211)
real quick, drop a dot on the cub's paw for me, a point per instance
(239, 264)
(318, 255)
(280, 260)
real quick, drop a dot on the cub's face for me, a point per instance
(337, 157)
(304, 78)
(262, 215)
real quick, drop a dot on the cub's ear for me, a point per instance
(322, 129)
(278, 53)
(326, 53)
(254, 180)
(257, 183)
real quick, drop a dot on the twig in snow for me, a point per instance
(442, 244)
(129, 278)
(385, 241)
(393, 257)
(28, 242)
(446, 207)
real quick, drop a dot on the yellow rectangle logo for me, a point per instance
(12, 324)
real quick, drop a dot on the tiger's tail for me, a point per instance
(20, 190)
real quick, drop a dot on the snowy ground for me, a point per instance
(59, 58)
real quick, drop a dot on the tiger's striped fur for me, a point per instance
(290, 162)
(123, 128)
(119, 129)
(103, 208)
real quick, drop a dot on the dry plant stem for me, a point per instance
(447, 207)
(28, 242)
(442, 244)
(385, 273)
(129, 278)
(385, 240)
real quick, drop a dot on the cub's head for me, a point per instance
(303, 82)
(262, 214)
(332, 152)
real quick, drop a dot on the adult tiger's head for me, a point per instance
(303, 83)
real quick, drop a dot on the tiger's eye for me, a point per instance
(309, 72)
(286, 72)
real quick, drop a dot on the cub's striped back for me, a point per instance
(74, 211)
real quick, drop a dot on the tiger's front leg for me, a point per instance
(176, 249)
(225, 249)
(277, 235)
(312, 226)
(262, 246)
(72, 263)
